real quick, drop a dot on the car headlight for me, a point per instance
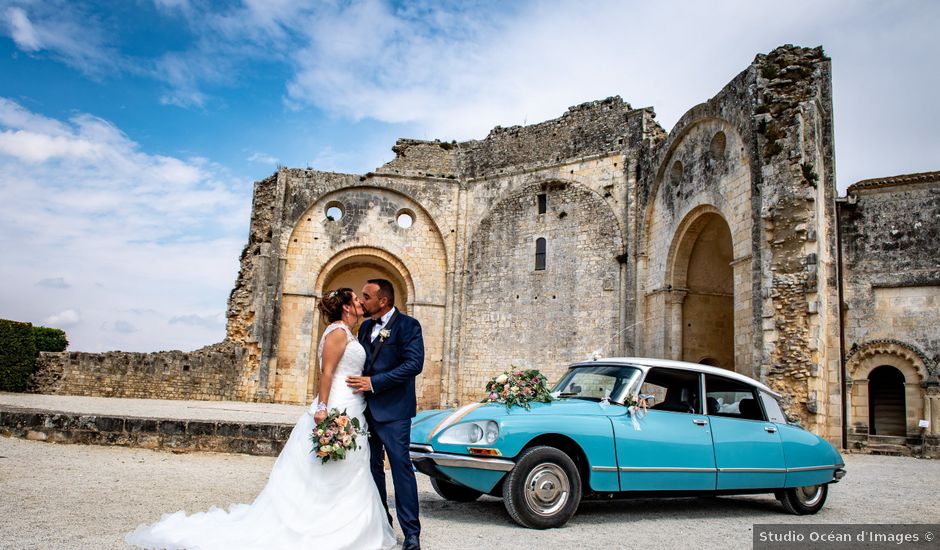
(471, 433)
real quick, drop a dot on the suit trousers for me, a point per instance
(394, 437)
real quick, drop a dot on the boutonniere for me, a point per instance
(383, 334)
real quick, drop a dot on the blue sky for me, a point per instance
(131, 131)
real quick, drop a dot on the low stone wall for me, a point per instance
(149, 433)
(211, 373)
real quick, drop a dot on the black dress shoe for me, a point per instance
(411, 543)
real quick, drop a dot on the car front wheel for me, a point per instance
(803, 500)
(454, 492)
(543, 490)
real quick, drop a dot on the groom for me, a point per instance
(394, 357)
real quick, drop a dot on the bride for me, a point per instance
(306, 503)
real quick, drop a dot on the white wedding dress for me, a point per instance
(306, 504)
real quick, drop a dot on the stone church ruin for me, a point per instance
(722, 241)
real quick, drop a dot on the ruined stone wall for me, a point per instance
(207, 373)
(367, 234)
(775, 190)
(423, 158)
(515, 314)
(891, 256)
(592, 128)
(798, 280)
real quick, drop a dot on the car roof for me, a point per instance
(650, 362)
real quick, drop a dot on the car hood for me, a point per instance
(429, 423)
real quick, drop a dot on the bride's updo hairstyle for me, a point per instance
(333, 301)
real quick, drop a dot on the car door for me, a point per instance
(748, 448)
(669, 448)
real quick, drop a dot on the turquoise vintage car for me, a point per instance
(588, 444)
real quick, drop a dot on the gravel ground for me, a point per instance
(76, 496)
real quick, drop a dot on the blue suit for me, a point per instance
(392, 366)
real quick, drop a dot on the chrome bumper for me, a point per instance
(420, 453)
(838, 474)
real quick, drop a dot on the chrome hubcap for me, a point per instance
(809, 495)
(547, 489)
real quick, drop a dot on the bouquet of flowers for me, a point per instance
(336, 435)
(518, 387)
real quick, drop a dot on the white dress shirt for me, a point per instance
(378, 327)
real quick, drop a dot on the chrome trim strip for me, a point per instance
(812, 468)
(422, 448)
(721, 470)
(658, 469)
(460, 461)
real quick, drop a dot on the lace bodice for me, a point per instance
(350, 364)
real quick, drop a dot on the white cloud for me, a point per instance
(455, 71)
(64, 319)
(126, 229)
(67, 32)
(22, 31)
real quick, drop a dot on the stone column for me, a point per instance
(932, 405)
(674, 300)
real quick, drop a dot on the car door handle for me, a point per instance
(770, 429)
(699, 421)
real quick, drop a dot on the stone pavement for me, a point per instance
(225, 426)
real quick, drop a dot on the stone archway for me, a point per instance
(353, 268)
(871, 358)
(701, 277)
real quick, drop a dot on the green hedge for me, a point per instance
(49, 339)
(17, 355)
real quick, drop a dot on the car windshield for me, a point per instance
(595, 382)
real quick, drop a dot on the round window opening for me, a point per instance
(405, 220)
(334, 212)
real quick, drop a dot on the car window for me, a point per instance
(592, 385)
(727, 397)
(597, 382)
(774, 412)
(672, 390)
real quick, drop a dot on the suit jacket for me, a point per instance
(393, 369)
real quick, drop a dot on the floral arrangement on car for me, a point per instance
(336, 435)
(518, 387)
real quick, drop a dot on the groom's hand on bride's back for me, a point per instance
(359, 384)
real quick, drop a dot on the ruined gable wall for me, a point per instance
(891, 257)
(584, 164)
(283, 300)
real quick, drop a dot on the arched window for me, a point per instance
(540, 254)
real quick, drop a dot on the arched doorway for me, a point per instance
(354, 270)
(703, 274)
(886, 403)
